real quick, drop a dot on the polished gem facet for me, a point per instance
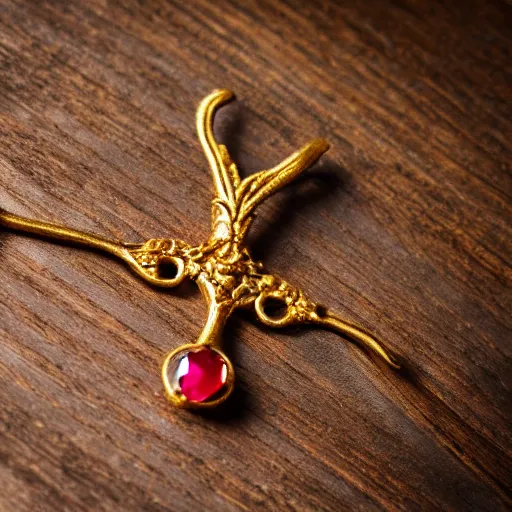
(200, 374)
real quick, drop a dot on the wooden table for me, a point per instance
(404, 226)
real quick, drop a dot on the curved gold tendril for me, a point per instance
(217, 155)
(355, 332)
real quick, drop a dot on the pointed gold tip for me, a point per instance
(357, 333)
(321, 145)
(220, 96)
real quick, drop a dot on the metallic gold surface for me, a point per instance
(222, 267)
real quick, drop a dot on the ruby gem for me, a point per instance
(201, 374)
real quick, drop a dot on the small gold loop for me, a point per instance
(175, 273)
(150, 273)
(259, 305)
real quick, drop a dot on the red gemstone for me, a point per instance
(201, 374)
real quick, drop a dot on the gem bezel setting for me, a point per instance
(171, 378)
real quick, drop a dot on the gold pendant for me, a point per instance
(200, 375)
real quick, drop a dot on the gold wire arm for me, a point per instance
(63, 233)
(255, 189)
(296, 309)
(236, 200)
(217, 155)
(355, 332)
(122, 250)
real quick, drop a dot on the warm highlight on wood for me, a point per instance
(403, 226)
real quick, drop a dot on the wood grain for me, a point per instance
(404, 227)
